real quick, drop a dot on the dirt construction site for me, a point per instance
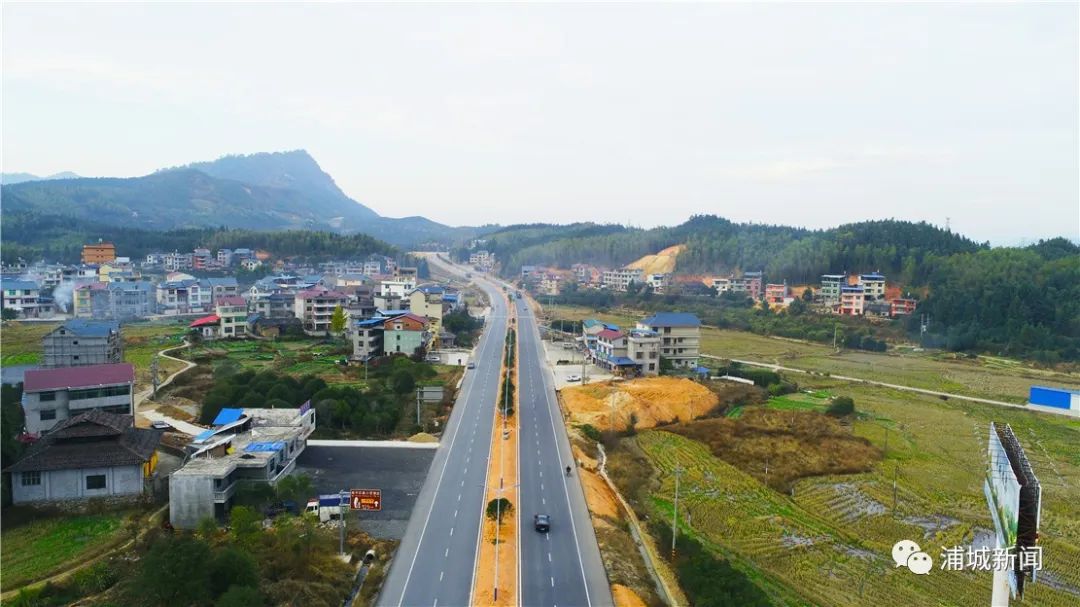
(646, 402)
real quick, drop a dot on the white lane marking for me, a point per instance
(447, 553)
(543, 501)
(462, 483)
(451, 532)
(466, 471)
(553, 582)
(541, 486)
(459, 497)
(441, 573)
(549, 560)
(438, 485)
(436, 603)
(455, 512)
(541, 474)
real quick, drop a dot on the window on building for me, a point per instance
(46, 396)
(76, 357)
(75, 342)
(47, 415)
(31, 479)
(95, 481)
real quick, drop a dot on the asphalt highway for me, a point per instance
(561, 568)
(435, 563)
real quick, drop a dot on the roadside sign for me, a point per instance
(366, 499)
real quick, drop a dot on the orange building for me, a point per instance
(99, 253)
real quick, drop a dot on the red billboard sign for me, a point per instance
(366, 499)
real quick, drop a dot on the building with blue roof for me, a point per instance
(80, 342)
(679, 336)
(24, 297)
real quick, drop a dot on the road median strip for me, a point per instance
(496, 577)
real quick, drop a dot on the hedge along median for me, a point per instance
(500, 525)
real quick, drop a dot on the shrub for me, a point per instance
(841, 405)
(590, 432)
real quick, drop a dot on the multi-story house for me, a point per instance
(643, 347)
(777, 294)
(178, 262)
(397, 287)
(852, 301)
(24, 297)
(154, 259)
(101, 252)
(275, 305)
(244, 446)
(367, 338)
(752, 284)
(480, 258)
(202, 259)
(722, 284)
(373, 267)
(215, 288)
(680, 336)
(250, 264)
(315, 307)
(427, 301)
(902, 306)
(224, 257)
(549, 283)
(528, 271)
(114, 300)
(830, 288)
(873, 286)
(610, 345)
(52, 395)
(659, 283)
(406, 334)
(619, 280)
(80, 342)
(181, 296)
(233, 312)
(93, 454)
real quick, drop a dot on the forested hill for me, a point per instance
(55, 238)
(902, 249)
(266, 191)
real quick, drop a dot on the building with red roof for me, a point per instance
(51, 396)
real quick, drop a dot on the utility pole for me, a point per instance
(343, 497)
(418, 405)
(154, 374)
(896, 470)
(675, 516)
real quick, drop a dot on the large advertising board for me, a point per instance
(1014, 497)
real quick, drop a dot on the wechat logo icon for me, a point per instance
(907, 553)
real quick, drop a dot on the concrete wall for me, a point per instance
(65, 408)
(71, 484)
(191, 499)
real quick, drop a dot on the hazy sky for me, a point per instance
(804, 114)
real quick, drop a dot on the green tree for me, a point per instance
(808, 294)
(403, 382)
(12, 421)
(499, 506)
(337, 321)
(231, 567)
(296, 487)
(175, 572)
(245, 525)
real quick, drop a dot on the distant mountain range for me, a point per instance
(265, 191)
(13, 178)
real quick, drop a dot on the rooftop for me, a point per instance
(90, 328)
(20, 284)
(88, 376)
(231, 300)
(94, 439)
(672, 319)
(213, 319)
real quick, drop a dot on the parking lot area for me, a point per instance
(558, 351)
(398, 472)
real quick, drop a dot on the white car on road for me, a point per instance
(573, 378)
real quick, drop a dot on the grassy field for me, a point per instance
(21, 345)
(986, 377)
(20, 342)
(829, 543)
(44, 547)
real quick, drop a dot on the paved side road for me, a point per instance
(859, 380)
